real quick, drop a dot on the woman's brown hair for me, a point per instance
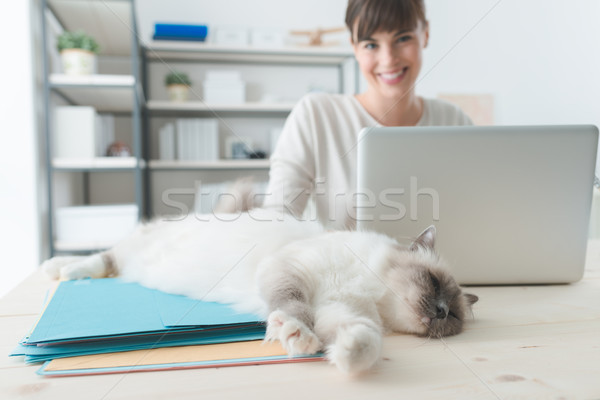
(365, 17)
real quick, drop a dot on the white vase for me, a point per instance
(178, 92)
(78, 62)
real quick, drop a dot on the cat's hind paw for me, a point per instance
(295, 337)
(357, 348)
(53, 266)
(70, 268)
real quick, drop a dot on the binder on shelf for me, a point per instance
(197, 139)
(166, 142)
(164, 31)
(105, 133)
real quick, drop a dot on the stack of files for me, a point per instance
(197, 139)
(93, 317)
(206, 356)
(188, 32)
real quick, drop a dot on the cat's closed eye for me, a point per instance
(435, 283)
(451, 314)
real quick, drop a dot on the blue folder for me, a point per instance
(101, 308)
(164, 31)
(36, 354)
(94, 316)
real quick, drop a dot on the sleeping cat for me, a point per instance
(318, 290)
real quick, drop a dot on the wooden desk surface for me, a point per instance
(525, 342)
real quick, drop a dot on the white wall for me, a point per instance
(19, 215)
(541, 60)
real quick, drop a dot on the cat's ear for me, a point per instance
(471, 298)
(426, 240)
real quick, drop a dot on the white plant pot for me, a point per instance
(78, 62)
(178, 92)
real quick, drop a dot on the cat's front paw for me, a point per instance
(295, 337)
(357, 348)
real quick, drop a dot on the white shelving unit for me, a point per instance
(97, 163)
(126, 94)
(198, 106)
(209, 165)
(201, 51)
(195, 57)
(112, 23)
(106, 93)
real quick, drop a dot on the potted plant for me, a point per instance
(78, 53)
(178, 85)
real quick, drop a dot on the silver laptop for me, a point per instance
(511, 204)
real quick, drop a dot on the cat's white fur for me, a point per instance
(337, 291)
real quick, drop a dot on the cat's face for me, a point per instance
(442, 306)
(428, 299)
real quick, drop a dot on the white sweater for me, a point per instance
(316, 155)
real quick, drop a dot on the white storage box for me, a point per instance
(227, 92)
(231, 36)
(95, 226)
(223, 76)
(74, 132)
(261, 37)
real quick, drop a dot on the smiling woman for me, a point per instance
(316, 153)
(388, 43)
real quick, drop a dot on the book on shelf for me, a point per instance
(189, 32)
(197, 139)
(105, 133)
(166, 142)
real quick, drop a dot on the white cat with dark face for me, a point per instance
(333, 291)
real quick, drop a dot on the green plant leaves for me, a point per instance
(77, 40)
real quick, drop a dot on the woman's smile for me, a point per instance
(392, 78)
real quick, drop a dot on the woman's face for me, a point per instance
(391, 61)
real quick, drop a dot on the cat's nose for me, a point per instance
(441, 311)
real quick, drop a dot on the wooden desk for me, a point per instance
(525, 342)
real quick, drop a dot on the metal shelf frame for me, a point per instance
(51, 86)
